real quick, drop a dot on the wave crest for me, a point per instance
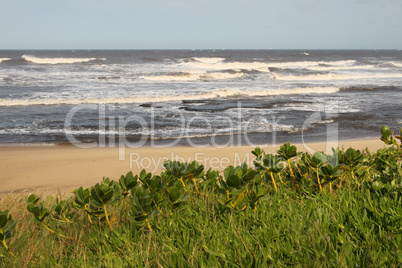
(396, 64)
(225, 93)
(335, 68)
(55, 60)
(263, 66)
(331, 76)
(4, 59)
(191, 76)
(209, 60)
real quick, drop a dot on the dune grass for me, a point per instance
(349, 228)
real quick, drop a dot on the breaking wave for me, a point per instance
(263, 66)
(226, 93)
(4, 59)
(396, 64)
(334, 68)
(191, 76)
(209, 60)
(330, 76)
(56, 60)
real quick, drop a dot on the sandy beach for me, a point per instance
(63, 168)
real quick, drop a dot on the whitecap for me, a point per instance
(396, 64)
(216, 94)
(263, 66)
(193, 76)
(331, 76)
(56, 60)
(4, 59)
(209, 60)
(335, 68)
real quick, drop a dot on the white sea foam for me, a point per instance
(311, 63)
(4, 59)
(331, 76)
(397, 64)
(225, 93)
(263, 66)
(55, 60)
(26, 131)
(328, 121)
(231, 131)
(25, 144)
(334, 68)
(228, 65)
(163, 134)
(195, 71)
(209, 60)
(192, 76)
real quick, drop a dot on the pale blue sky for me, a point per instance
(202, 24)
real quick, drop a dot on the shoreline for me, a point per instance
(177, 145)
(49, 169)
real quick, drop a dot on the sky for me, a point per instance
(201, 24)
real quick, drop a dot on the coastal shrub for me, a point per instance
(291, 208)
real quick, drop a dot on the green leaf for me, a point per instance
(32, 199)
(240, 191)
(174, 194)
(79, 196)
(96, 194)
(3, 220)
(316, 160)
(287, 151)
(30, 207)
(107, 197)
(258, 152)
(158, 197)
(238, 199)
(104, 187)
(386, 132)
(228, 171)
(250, 174)
(57, 208)
(233, 181)
(188, 168)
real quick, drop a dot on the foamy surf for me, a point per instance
(56, 60)
(396, 64)
(192, 76)
(209, 60)
(331, 76)
(4, 59)
(222, 86)
(337, 68)
(263, 66)
(217, 94)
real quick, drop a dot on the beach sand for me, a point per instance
(49, 169)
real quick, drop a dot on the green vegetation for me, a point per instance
(291, 209)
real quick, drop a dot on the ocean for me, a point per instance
(108, 98)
